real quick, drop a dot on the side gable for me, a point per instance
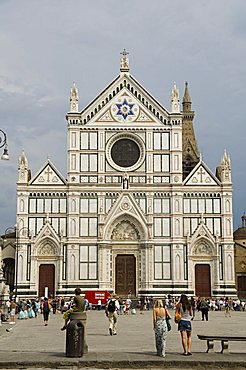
(201, 175)
(48, 175)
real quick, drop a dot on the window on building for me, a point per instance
(88, 162)
(88, 141)
(161, 205)
(142, 203)
(88, 226)
(161, 163)
(88, 262)
(162, 258)
(108, 203)
(161, 226)
(88, 205)
(161, 140)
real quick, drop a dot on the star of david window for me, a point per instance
(125, 109)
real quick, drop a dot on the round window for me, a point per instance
(125, 152)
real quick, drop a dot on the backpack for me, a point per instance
(111, 306)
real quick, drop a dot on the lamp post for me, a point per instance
(3, 143)
(17, 238)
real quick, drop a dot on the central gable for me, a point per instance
(125, 101)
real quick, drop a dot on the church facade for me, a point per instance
(139, 210)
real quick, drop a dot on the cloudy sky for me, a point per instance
(46, 45)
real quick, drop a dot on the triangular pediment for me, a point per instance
(125, 101)
(202, 242)
(201, 175)
(125, 109)
(47, 242)
(126, 204)
(125, 221)
(48, 175)
(202, 231)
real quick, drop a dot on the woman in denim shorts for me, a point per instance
(184, 326)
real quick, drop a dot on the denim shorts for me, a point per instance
(184, 325)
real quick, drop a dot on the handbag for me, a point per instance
(178, 315)
(168, 321)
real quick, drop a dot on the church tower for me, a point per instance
(190, 148)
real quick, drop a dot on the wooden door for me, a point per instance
(241, 284)
(47, 279)
(125, 274)
(203, 281)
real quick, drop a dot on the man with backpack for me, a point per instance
(111, 310)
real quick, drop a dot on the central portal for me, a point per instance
(125, 272)
(47, 280)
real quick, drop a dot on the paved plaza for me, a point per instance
(30, 344)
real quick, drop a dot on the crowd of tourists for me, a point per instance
(184, 311)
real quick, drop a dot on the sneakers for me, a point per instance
(110, 331)
(64, 328)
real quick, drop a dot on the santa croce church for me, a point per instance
(138, 209)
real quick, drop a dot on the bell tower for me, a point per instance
(191, 154)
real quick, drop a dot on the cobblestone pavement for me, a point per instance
(30, 344)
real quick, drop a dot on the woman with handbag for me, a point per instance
(160, 317)
(183, 316)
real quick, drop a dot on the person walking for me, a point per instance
(204, 307)
(160, 327)
(193, 306)
(46, 307)
(111, 311)
(12, 308)
(184, 325)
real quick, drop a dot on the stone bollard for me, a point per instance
(82, 317)
(74, 339)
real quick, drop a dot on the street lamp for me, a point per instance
(17, 232)
(3, 143)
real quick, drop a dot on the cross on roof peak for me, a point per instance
(124, 61)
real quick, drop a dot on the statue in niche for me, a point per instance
(125, 181)
(125, 231)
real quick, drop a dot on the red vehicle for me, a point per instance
(94, 295)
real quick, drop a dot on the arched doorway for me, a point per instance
(202, 280)
(241, 283)
(125, 274)
(46, 280)
(9, 272)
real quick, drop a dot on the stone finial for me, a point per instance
(124, 61)
(74, 99)
(175, 106)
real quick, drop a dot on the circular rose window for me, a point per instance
(125, 152)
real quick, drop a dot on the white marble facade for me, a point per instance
(124, 196)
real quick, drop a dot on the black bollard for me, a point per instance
(75, 339)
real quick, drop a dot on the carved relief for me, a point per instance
(125, 230)
(46, 249)
(202, 249)
(243, 265)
